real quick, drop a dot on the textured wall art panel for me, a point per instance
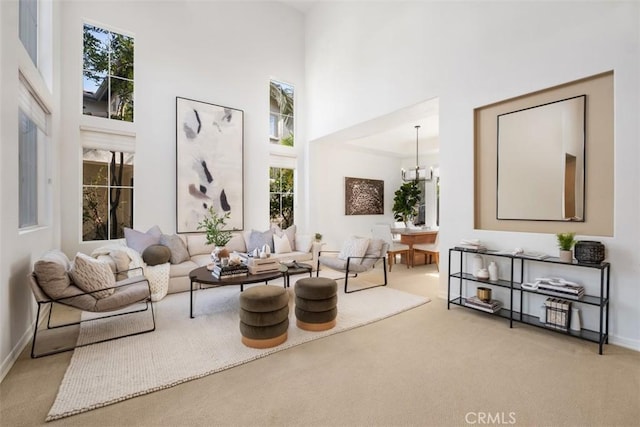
(363, 196)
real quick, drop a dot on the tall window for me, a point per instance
(28, 27)
(28, 171)
(107, 194)
(281, 196)
(281, 113)
(107, 74)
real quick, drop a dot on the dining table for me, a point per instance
(411, 236)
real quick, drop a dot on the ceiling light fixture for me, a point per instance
(419, 173)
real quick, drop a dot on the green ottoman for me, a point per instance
(264, 316)
(316, 303)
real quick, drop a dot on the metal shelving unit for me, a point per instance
(514, 285)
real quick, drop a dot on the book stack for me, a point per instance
(230, 271)
(561, 288)
(471, 245)
(262, 265)
(490, 307)
(557, 313)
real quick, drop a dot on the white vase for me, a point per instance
(543, 313)
(476, 264)
(493, 271)
(575, 324)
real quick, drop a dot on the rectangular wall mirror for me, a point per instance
(541, 162)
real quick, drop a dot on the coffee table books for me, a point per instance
(229, 271)
(490, 307)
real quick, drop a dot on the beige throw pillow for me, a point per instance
(354, 247)
(281, 244)
(90, 274)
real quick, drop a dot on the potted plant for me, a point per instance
(565, 243)
(405, 202)
(213, 225)
(318, 237)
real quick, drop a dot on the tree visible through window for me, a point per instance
(107, 194)
(281, 113)
(107, 74)
(281, 197)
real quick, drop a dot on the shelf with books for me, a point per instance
(514, 281)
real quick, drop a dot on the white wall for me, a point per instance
(19, 249)
(365, 60)
(223, 53)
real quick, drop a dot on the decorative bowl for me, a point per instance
(589, 251)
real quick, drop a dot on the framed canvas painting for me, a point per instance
(209, 163)
(363, 196)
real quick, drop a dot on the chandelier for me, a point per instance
(419, 173)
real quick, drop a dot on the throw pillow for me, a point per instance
(281, 244)
(354, 247)
(373, 250)
(90, 274)
(156, 254)
(140, 241)
(258, 239)
(122, 261)
(303, 242)
(178, 250)
(51, 271)
(290, 233)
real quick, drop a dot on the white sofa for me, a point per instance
(199, 254)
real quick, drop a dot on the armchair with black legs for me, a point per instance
(358, 255)
(88, 286)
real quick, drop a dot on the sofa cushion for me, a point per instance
(156, 254)
(177, 247)
(52, 273)
(281, 244)
(90, 274)
(140, 241)
(303, 242)
(121, 261)
(183, 269)
(197, 244)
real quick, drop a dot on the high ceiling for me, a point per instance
(395, 133)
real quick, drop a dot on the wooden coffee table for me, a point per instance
(202, 276)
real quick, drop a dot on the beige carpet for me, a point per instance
(182, 349)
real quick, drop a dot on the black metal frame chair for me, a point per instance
(348, 269)
(42, 299)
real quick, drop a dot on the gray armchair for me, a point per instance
(353, 264)
(52, 283)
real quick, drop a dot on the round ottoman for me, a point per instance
(316, 303)
(264, 316)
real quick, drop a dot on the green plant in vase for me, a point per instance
(214, 225)
(405, 201)
(566, 241)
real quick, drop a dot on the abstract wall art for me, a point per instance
(363, 196)
(209, 163)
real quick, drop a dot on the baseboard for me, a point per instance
(11, 358)
(24, 340)
(625, 342)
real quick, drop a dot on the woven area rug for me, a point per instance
(182, 349)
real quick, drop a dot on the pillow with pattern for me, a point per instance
(90, 274)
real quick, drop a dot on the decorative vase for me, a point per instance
(493, 271)
(483, 294)
(482, 274)
(543, 313)
(566, 256)
(575, 324)
(215, 253)
(589, 251)
(476, 264)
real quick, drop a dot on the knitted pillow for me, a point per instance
(90, 274)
